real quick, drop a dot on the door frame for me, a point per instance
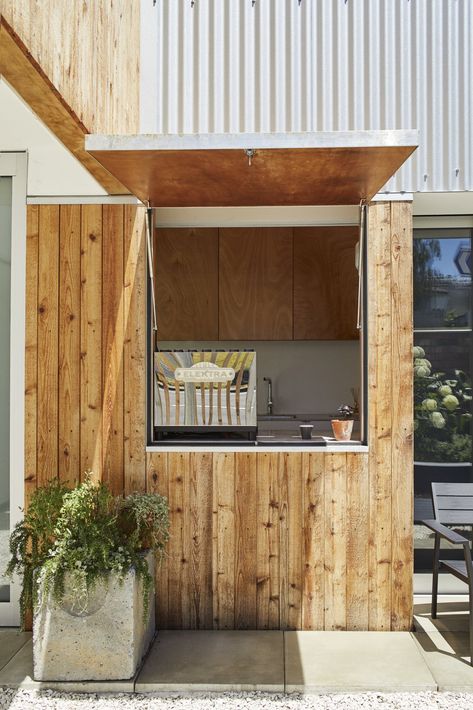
(14, 165)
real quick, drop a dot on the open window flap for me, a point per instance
(336, 168)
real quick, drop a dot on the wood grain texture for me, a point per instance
(222, 177)
(91, 435)
(85, 323)
(98, 43)
(28, 78)
(69, 344)
(267, 543)
(134, 348)
(223, 540)
(313, 590)
(200, 512)
(380, 367)
(325, 283)
(180, 542)
(112, 347)
(187, 284)
(157, 481)
(245, 541)
(259, 540)
(402, 416)
(48, 328)
(255, 283)
(31, 350)
(291, 471)
(357, 473)
(335, 542)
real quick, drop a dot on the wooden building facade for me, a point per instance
(258, 540)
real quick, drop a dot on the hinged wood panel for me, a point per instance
(325, 283)
(187, 284)
(255, 283)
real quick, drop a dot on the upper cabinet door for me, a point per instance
(325, 283)
(187, 284)
(255, 284)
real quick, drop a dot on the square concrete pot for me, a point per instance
(105, 641)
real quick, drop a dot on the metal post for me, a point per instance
(149, 223)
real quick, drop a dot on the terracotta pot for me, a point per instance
(342, 429)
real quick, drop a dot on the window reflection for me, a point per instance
(442, 372)
(442, 291)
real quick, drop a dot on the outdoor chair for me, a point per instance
(453, 505)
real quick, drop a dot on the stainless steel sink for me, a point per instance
(276, 417)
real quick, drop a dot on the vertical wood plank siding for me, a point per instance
(99, 48)
(258, 540)
(86, 331)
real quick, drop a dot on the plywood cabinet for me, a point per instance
(255, 283)
(268, 283)
(325, 283)
(187, 284)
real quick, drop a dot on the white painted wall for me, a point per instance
(52, 169)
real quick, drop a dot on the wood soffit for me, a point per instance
(26, 77)
(285, 169)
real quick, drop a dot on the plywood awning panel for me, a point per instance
(339, 168)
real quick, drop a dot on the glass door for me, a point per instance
(442, 374)
(12, 346)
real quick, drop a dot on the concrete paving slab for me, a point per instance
(214, 661)
(354, 661)
(448, 657)
(18, 673)
(11, 640)
(452, 615)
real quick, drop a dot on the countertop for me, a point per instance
(291, 447)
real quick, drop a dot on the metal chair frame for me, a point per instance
(453, 505)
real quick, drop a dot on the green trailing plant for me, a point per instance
(442, 413)
(77, 537)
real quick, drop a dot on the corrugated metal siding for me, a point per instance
(277, 65)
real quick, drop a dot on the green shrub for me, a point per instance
(85, 533)
(442, 411)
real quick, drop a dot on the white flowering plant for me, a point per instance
(79, 536)
(442, 413)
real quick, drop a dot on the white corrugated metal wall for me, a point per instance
(218, 66)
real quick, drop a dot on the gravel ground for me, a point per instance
(26, 700)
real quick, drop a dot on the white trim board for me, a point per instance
(450, 221)
(10, 611)
(254, 141)
(83, 200)
(344, 215)
(443, 203)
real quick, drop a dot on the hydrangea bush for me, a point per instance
(442, 414)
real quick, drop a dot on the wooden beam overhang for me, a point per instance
(26, 77)
(327, 168)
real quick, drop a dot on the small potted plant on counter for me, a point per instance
(343, 426)
(87, 562)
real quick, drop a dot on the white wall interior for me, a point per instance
(52, 169)
(321, 215)
(309, 377)
(287, 66)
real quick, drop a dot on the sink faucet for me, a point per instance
(269, 402)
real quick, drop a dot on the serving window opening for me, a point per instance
(256, 334)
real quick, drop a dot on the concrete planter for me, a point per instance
(106, 641)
